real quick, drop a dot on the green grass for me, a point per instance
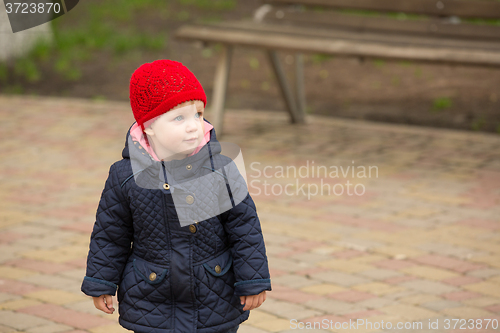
(477, 124)
(319, 58)
(371, 13)
(217, 47)
(360, 12)
(26, 67)
(3, 73)
(108, 26)
(254, 63)
(41, 51)
(266, 86)
(379, 63)
(418, 72)
(441, 103)
(123, 43)
(318, 9)
(395, 80)
(211, 20)
(210, 4)
(13, 89)
(98, 98)
(207, 52)
(64, 67)
(122, 10)
(245, 84)
(481, 21)
(75, 45)
(405, 63)
(183, 15)
(405, 16)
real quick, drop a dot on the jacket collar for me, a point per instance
(150, 169)
(209, 136)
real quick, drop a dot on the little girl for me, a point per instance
(176, 230)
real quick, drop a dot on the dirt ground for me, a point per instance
(388, 91)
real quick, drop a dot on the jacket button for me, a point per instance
(218, 269)
(190, 199)
(152, 276)
(192, 228)
(166, 186)
(189, 167)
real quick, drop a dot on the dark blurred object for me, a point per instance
(28, 14)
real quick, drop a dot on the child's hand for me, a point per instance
(104, 303)
(253, 301)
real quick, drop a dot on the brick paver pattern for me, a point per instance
(364, 222)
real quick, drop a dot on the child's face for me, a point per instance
(176, 133)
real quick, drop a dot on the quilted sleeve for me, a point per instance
(110, 240)
(250, 265)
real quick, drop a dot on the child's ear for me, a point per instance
(149, 131)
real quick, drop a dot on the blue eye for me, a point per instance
(198, 115)
(179, 118)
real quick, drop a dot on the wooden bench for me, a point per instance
(417, 30)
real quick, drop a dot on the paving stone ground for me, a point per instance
(412, 235)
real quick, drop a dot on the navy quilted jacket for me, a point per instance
(172, 278)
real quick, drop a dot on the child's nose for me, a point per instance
(191, 126)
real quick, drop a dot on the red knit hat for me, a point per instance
(157, 87)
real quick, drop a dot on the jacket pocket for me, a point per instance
(147, 281)
(215, 291)
(150, 273)
(220, 265)
(145, 296)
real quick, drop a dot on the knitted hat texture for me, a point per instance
(157, 87)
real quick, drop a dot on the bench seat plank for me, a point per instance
(345, 43)
(363, 36)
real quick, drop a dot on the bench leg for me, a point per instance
(299, 83)
(220, 88)
(295, 114)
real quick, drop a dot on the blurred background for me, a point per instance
(96, 46)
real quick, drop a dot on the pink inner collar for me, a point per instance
(137, 135)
